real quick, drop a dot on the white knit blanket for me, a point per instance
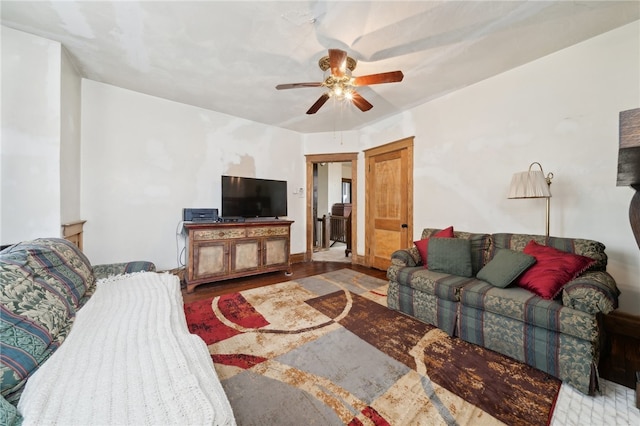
(129, 360)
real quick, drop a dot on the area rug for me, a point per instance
(326, 350)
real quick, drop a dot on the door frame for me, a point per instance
(370, 154)
(312, 159)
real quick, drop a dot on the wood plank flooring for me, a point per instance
(300, 270)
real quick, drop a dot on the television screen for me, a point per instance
(251, 197)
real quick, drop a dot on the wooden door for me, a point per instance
(389, 201)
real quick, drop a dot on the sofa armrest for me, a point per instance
(592, 293)
(406, 257)
(109, 269)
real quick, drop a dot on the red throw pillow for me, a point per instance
(552, 270)
(423, 245)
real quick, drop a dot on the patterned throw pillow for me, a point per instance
(423, 244)
(505, 267)
(450, 256)
(552, 270)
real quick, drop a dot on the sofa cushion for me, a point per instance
(20, 259)
(60, 264)
(423, 244)
(450, 256)
(582, 247)
(516, 242)
(480, 245)
(553, 269)
(34, 322)
(522, 305)
(505, 267)
(444, 286)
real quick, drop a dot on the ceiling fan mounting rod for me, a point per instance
(324, 63)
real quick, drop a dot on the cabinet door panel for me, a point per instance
(211, 259)
(276, 251)
(246, 255)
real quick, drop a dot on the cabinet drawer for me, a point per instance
(267, 231)
(219, 234)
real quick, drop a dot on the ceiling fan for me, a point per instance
(340, 83)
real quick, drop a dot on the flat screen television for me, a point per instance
(251, 197)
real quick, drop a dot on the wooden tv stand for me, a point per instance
(221, 251)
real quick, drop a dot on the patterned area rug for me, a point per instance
(325, 350)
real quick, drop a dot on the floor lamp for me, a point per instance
(532, 184)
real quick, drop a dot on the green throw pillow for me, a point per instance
(505, 267)
(450, 256)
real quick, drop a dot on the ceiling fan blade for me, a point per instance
(297, 85)
(361, 102)
(385, 77)
(315, 107)
(337, 61)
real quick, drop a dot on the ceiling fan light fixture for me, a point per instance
(339, 87)
(340, 83)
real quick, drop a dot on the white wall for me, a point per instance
(334, 181)
(323, 190)
(561, 111)
(30, 150)
(146, 158)
(70, 105)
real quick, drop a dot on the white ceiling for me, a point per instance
(229, 56)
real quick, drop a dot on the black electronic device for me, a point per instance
(251, 197)
(231, 219)
(200, 215)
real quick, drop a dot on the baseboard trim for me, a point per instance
(298, 258)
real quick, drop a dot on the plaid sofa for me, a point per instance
(43, 283)
(562, 337)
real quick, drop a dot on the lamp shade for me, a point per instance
(531, 184)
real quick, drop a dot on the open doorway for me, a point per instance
(331, 184)
(332, 211)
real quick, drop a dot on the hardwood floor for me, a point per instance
(300, 270)
(619, 362)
